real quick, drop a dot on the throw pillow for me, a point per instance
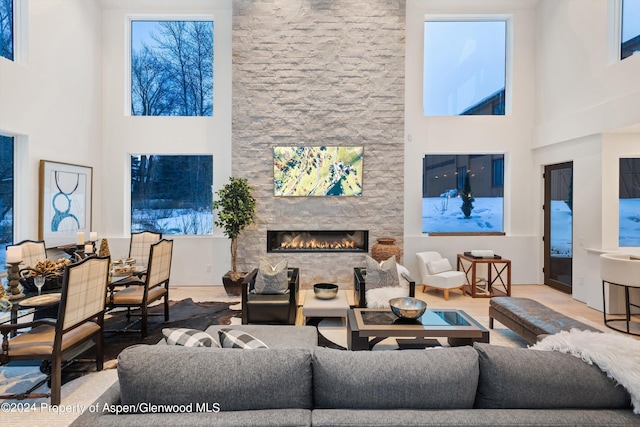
(439, 266)
(189, 338)
(233, 338)
(272, 279)
(381, 275)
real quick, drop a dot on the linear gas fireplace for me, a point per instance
(318, 240)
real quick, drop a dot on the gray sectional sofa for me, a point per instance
(463, 386)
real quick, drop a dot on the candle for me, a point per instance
(14, 254)
(93, 236)
(80, 238)
(88, 249)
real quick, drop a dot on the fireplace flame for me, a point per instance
(301, 243)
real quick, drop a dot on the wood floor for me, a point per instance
(550, 297)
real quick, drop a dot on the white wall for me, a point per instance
(583, 96)
(52, 101)
(510, 134)
(124, 135)
(580, 90)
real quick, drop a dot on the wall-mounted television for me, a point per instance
(317, 171)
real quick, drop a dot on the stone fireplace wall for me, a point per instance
(311, 73)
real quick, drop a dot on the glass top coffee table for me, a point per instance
(368, 326)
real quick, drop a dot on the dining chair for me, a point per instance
(78, 327)
(32, 252)
(139, 294)
(140, 246)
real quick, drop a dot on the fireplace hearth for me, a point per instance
(317, 241)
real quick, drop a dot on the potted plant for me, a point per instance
(236, 208)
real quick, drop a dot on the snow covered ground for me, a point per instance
(441, 214)
(629, 211)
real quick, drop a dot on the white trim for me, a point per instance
(20, 32)
(207, 17)
(614, 31)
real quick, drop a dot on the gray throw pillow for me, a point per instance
(272, 279)
(381, 275)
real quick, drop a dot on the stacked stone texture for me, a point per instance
(312, 73)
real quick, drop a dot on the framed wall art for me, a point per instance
(65, 202)
(317, 171)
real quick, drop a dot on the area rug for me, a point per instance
(182, 314)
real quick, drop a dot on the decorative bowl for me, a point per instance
(407, 307)
(325, 290)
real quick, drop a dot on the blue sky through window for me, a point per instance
(464, 63)
(630, 19)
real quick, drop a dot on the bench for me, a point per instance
(530, 319)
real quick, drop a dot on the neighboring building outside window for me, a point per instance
(172, 194)
(460, 194)
(171, 68)
(6, 29)
(6, 195)
(630, 34)
(464, 67)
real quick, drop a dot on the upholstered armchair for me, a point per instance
(79, 323)
(155, 286)
(406, 286)
(436, 273)
(270, 308)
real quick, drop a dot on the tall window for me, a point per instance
(464, 68)
(629, 203)
(630, 40)
(6, 29)
(171, 68)
(463, 193)
(172, 194)
(6, 195)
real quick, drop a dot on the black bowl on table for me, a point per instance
(325, 290)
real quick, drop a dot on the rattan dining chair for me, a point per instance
(78, 327)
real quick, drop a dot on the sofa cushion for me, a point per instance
(411, 379)
(233, 338)
(236, 380)
(532, 379)
(189, 337)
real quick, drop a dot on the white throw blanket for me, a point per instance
(616, 355)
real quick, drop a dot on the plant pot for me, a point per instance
(231, 286)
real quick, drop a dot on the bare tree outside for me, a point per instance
(6, 29)
(172, 194)
(172, 68)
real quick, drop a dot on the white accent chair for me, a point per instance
(436, 272)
